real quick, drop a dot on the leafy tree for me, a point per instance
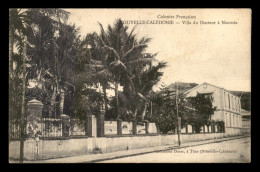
(245, 98)
(196, 111)
(144, 80)
(53, 48)
(17, 31)
(91, 60)
(201, 110)
(163, 111)
(86, 101)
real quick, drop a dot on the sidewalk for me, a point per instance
(126, 153)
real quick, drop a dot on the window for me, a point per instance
(225, 99)
(208, 95)
(228, 101)
(225, 117)
(233, 102)
(236, 103)
(230, 120)
(227, 124)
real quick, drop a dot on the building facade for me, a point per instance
(228, 105)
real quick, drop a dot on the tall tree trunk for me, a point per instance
(62, 94)
(105, 96)
(11, 42)
(11, 46)
(117, 102)
(135, 113)
(53, 100)
(144, 111)
(23, 104)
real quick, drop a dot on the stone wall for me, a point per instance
(231, 131)
(81, 146)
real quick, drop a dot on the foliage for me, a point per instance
(15, 95)
(163, 111)
(196, 111)
(87, 102)
(57, 59)
(245, 99)
(121, 57)
(33, 130)
(221, 124)
(203, 109)
(52, 47)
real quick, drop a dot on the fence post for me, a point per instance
(192, 127)
(186, 126)
(147, 127)
(100, 124)
(134, 127)
(88, 126)
(65, 121)
(34, 113)
(203, 128)
(213, 127)
(119, 126)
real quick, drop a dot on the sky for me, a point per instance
(219, 54)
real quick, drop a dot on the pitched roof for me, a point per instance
(213, 86)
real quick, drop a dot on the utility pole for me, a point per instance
(23, 103)
(151, 108)
(177, 113)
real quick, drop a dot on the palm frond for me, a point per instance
(116, 64)
(94, 66)
(130, 35)
(145, 40)
(141, 96)
(113, 50)
(147, 84)
(96, 62)
(103, 33)
(134, 48)
(141, 60)
(90, 75)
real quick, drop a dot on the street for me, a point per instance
(232, 151)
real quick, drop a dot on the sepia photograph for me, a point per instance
(134, 85)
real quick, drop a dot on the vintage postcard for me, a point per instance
(129, 85)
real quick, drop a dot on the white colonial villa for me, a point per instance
(228, 105)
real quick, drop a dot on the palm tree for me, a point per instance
(94, 55)
(21, 24)
(17, 28)
(53, 51)
(145, 81)
(123, 53)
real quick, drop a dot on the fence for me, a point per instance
(48, 127)
(77, 128)
(51, 127)
(212, 128)
(128, 128)
(54, 128)
(14, 129)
